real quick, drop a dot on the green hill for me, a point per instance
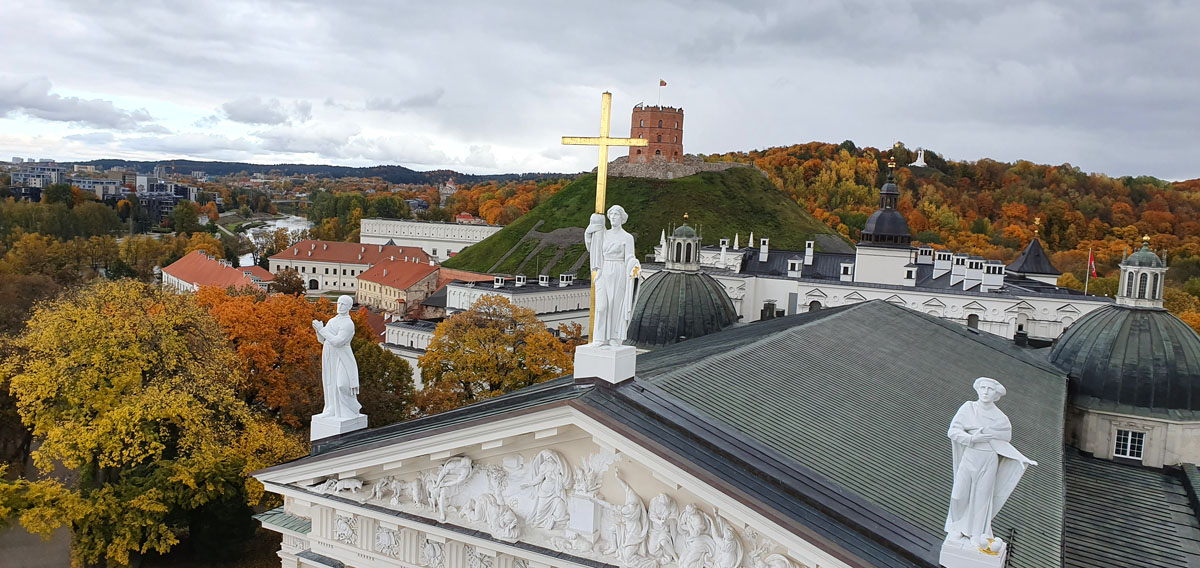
(549, 238)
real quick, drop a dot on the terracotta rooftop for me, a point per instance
(348, 253)
(398, 273)
(200, 269)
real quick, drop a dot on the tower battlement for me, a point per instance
(662, 127)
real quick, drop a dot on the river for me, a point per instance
(290, 222)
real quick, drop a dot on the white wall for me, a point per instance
(435, 238)
(554, 305)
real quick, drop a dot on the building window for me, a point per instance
(1129, 285)
(326, 270)
(973, 321)
(343, 271)
(1154, 293)
(658, 152)
(639, 151)
(1142, 287)
(660, 124)
(687, 255)
(642, 122)
(846, 270)
(678, 252)
(659, 138)
(434, 252)
(1129, 444)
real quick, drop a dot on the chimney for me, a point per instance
(385, 272)
(520, 280)
(958, 270)
(795, 267)
(941, 263)
(993, 276)
(497, 282)
(362, 249)
(1021, 338)
(846, 274)
(432, 263)
(564, 280)
(925, 255)
(325, 246)
(724, 248)
(393, 257)
(543, 279)
(763, 249)
(974, 273)
(809, 253)
(380, 248)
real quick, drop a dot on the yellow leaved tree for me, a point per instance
(488, 350)
(132, 390)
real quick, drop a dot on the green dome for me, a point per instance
(1144, 257)
(673, 306)
(684, 232)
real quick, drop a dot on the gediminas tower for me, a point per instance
(663, 127)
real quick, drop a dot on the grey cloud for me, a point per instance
(423, 100)
(32, 97)
(97, 138)
(255, 110)
(325, 141)
(192, 144)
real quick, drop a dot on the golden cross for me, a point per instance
(603, 141)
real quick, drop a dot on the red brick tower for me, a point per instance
(662, 127)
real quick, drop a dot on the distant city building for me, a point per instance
(331, 266)
(18, 160)
(198, 269)
(395, 285)
(417, 204)
(440, 240)
(38, 174)
(80, 168)
(447, 191)
(101, 187)
(409, 340)
(465, 218)
(556, 301)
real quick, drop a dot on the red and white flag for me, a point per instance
(662, 83)
(1092, 264)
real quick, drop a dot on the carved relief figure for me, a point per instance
(453, 475)
(345, 529)
(695, 546)
(387, 541)
(628, 538)
(339, 371)
(349, 484)
(661, 536)
(614, 264)
(378, 489)
(502, 522)
(432, 555)
(986, 468)
(763, 557)
(551, 477)
(728, 546)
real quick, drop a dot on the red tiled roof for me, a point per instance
(199, 269)
(397, 273)
(348, 253)
(448, 275)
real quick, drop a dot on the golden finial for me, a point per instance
(1037, 224)
(685, 217)
(1146, 239)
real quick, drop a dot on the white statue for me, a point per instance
(614, 264)
(660, 542)
(986, 468)
(339, 371)
(695, 544)
(453, 475)
(628, 537)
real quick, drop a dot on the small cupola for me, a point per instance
(887, 226)
(1142, 277)
(683, 248)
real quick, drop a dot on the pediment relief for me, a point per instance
(1068, 309)
(1021, 306)
(562, 490)
(854, 297)
(933, 303)
(974, 306)
(815, 293)
(896, 300)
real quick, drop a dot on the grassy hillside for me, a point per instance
(719, 204)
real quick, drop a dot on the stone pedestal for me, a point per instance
(584, 520)
(613, 364)
(324, 427)
(955, 556)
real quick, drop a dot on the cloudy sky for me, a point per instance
(491, 86)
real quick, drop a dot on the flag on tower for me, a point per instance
(662, 83)
(1092, 263)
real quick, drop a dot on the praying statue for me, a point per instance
(614, 266)
(986, 469)
(339, 371)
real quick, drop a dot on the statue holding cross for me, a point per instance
(613, 266)
(611, 250)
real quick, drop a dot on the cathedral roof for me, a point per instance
(832, 421)
(1033, 260)
(673, 306)
(1144, 360)
(684, 231)
(887, 222)
(1144, 257)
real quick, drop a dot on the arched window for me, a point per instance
(688, 255)
(678, 252)
(973, 321)
(1142, 286)
(660, 124)
(1154, 289)
(642, 122)
(677, 139)
(814, 306)
(312, 284)
(676, 124)
(658, 152)
(1160, 287)
(1129, 286)
(639, 151)
(659, 138)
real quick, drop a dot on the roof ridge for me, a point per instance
(988, 342)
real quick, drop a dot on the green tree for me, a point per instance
(386, 381)
(132, 389)
(288, 281)
(184, 218)
(58, 193)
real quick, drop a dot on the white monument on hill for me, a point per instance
(986, 470)
(339, 376)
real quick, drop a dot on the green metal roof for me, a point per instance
(673, 306)
(864, 395)
(278, 518)
(1122, 515)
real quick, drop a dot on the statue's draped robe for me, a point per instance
(613, 259)
(339, 371)
(985, 473)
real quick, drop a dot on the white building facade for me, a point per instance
(327, 266)
(439, 240)
(556, 301)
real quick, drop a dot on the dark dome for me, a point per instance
(672, 306)
(1143, 358)
(889, 188)
(1145, 258)
(684, 232)
(886, 223)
